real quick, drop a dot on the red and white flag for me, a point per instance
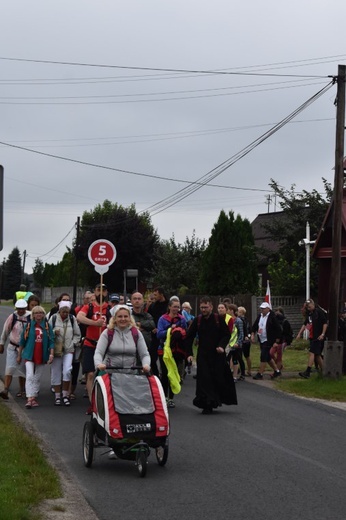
(268, 297)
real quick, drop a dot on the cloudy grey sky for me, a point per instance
(152, 109)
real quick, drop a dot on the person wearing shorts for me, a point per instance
(268, 331)
(12, 331)
(316, 323)
(95, 317)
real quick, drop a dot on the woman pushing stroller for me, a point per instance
(121, 344)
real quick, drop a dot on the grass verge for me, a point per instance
(316, 387)
(26, 477)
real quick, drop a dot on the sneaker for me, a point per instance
(4, 394)
(170, 403)
(258, 376)
(112, 455)
(277, 373)
(305, 374)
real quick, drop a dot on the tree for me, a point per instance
(229, 263)
(177, 265)
(12, 274)
(287, 265)
(38, 272)
(132, 234)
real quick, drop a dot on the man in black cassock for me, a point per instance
(214, 385)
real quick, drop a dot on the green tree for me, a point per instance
(12, 274)
(229, 262)
(38, 273)
(286, 266)
(132, 234)
(177, 265)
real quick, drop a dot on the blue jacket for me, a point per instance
(29, 342)
(163, 325)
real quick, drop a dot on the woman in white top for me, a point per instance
(121, 344)
(67, 335)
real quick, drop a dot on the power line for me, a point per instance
(149, 138)
(189, 91)
(166, 135)
(109, 102)
(169, 201)
(61, 241)
(110, 168)
(157, 69)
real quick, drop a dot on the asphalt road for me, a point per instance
(272, 456)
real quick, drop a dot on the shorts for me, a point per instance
(88, 360)
(316, 347)
(265, 352)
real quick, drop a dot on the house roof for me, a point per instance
(262, 236)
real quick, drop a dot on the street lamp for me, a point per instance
(307, 243)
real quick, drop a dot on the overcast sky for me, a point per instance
(175, 124)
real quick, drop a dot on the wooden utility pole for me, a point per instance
(334, 351)
(75, 271)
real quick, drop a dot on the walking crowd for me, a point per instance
(161, 334)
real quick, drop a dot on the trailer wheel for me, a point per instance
(162, 454)
(88, 444)
(141, 460)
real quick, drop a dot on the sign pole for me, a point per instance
(102, 254)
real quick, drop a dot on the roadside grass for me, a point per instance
(26, 477)
(294, 358)
(316, 387)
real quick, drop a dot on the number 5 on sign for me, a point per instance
(102, 254)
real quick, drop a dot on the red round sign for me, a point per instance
(102, 253)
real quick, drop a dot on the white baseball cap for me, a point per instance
(265, 305)
(21, 304)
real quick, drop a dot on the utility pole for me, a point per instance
(334, 350)
(24, 259)
(269, 199)
(75, 271)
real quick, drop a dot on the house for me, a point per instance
(322, 251)
(264, 244)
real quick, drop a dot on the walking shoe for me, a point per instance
(4, 394)
(305, 374)
(277, 373)
(258, 376)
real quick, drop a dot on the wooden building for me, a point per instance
(322, 251)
